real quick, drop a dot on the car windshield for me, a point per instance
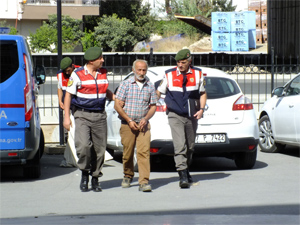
(218, 87)
(294, 87)
(9, 62)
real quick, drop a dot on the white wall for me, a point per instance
(10, 9)
(242, 5)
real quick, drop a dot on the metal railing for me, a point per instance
(257, 74)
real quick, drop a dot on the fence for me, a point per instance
(257, 74)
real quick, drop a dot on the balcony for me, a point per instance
(40, 9)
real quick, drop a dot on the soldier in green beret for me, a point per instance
(63, 75)
(88, 86)
(183, 86)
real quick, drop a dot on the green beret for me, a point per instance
(92, 53)
(65, 63)
(183, 54)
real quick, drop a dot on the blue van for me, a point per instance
(21, 136)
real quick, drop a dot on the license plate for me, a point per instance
(210, 138)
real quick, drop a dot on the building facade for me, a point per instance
(28, 15)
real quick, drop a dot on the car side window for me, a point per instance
(294, 87)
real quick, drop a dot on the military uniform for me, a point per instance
(179, 89)
(88, 103)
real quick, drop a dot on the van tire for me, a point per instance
(42, 143)
(33, 169)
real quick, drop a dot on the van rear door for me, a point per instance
(12, 99)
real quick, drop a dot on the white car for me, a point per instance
(279, 120)
(228, 128)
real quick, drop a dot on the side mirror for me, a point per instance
(40, 74)
(278, 91)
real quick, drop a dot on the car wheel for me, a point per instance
(245, 160)
(266, 137)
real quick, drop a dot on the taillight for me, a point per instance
(242, 103)
(28, 92)
(154, 150)
(161, 108)
(161, 105)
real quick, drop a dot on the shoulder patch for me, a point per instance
(70, 82)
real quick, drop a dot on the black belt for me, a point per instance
(125, 122)
(87, 110)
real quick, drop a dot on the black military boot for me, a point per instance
(96, 185)
(84, 181)
(183, 180)
(189, 177)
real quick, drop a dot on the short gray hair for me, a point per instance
(139, 60)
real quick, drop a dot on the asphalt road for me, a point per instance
(267, 194)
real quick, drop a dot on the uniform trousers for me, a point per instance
(183, 131)
(90, 140)
(141, 140)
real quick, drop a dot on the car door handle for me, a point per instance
(291, 106)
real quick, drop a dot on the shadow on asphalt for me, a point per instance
(165, 163)
(291, 151)
(49, 168)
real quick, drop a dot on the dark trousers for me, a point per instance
(90, 140)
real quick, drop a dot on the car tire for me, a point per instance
(266, 138)
(245, 160)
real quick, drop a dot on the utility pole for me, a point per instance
(59, 57)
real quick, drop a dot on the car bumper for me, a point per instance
(233, 145)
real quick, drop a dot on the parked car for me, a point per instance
(228, 128)
(279, 119)
(21, 136)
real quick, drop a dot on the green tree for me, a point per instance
(223, 6)
(89, 40)
(115, 34)
(45, 37)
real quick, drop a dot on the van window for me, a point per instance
(9, 61)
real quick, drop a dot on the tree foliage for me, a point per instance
(189, 8)
(223, 6)
(45, 37)
(115, 34)
(122, 25)
(198, 7)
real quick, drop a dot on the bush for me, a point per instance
(45, 37)
(115, 34)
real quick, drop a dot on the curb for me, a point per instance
(54, 149)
